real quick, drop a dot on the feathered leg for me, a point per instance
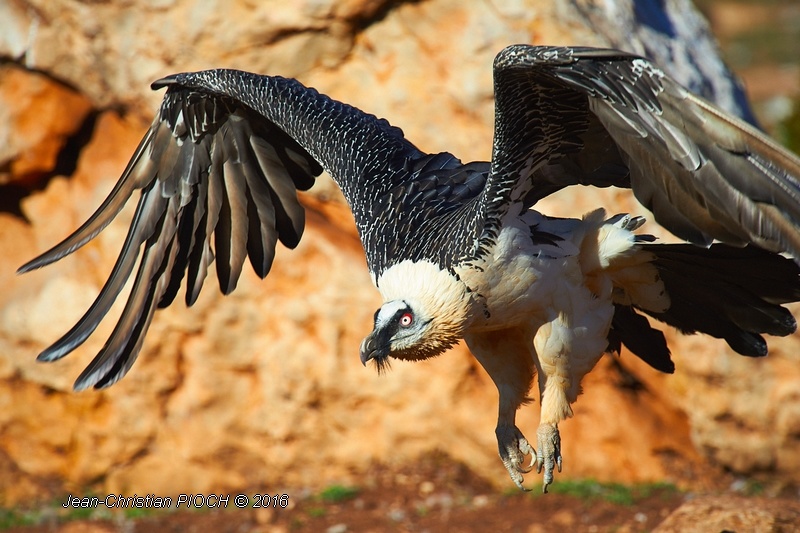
(566, 349)
(507, 357)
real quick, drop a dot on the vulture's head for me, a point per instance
(424, 313)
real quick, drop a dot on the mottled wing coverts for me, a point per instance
(568, 116)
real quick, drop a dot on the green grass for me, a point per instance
(317, 512)
(54, 512)
(616, 493)
(338, 493)
(790, 128)
(12, 518)
(47, 512)
(753, 487)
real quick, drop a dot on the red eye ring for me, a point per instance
(406, 320)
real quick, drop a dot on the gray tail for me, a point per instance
(727, 292)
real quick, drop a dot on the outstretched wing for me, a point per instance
(219, 171)
(569, 116)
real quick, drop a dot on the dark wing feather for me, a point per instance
(726, 292)
(634, 331)
(219, 171)
(204, 175)
(569, 116)
(405, 203)
(120, 350)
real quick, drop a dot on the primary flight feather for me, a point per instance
(455, 249)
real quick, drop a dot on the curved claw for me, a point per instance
(513, 448)
(525, 469)
(548, 455)
(526, 449)
(518, 482)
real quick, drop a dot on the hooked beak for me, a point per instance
(373, 348)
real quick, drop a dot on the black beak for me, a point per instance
(373, 348)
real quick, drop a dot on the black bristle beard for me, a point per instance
(382, 365)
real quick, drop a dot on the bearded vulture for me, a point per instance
(455, 249)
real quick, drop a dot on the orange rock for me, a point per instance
(37, 116)
(717, 513)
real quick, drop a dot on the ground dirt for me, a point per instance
(435, 494)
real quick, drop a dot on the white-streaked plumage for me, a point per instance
(455, 249)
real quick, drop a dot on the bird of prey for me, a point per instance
(455, 249)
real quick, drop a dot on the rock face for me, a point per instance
(732, 514)
(263, 388)
(38, 116)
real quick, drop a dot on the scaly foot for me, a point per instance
(513, 448)
(548, 452)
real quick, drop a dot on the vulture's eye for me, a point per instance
(406, 320)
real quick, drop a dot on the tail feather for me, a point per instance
(633, 330)
(727, 292)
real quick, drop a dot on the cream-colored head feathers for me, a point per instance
(436, 296)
